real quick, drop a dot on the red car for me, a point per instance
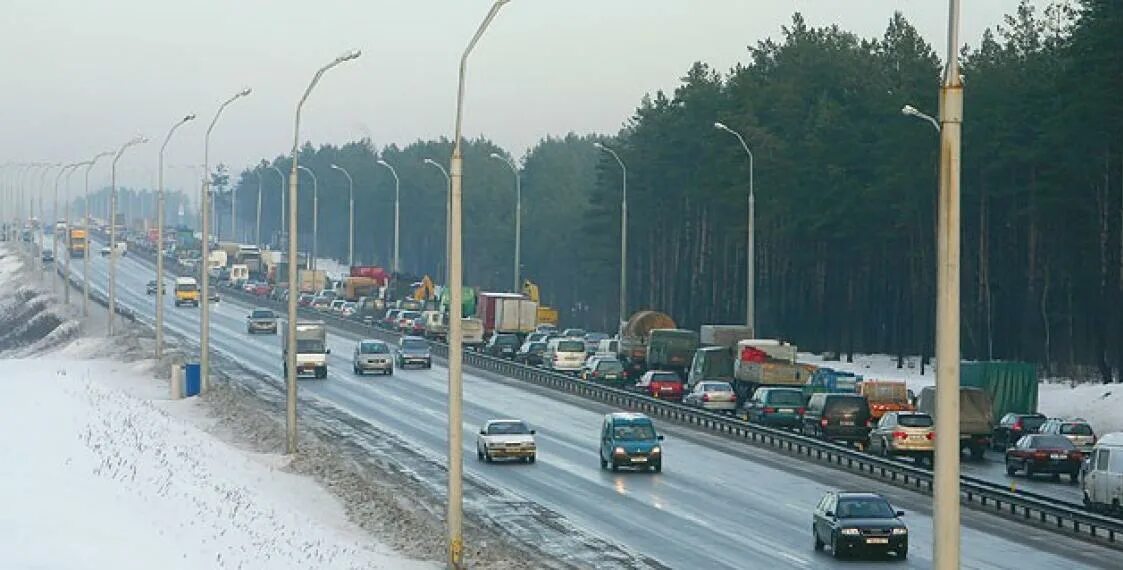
(661, 384)
(261, 289)
(1041, 453)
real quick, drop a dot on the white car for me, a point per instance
(501, 439)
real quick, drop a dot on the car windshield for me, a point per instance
(374, 348)
(1031, 423)
(595, 337)
(915, 420)
(262, 314)
(537, 346)
(507, 339)
(716, 387)
(665, 377)
(409, 315)
(785, 398)
(574, 332)
(187, 287)
(610, 366)
(571, 346)
(1051, 442)
(864, 508)
(1076, 429)
(508, 428)
(414, 344)
(309, 346)
(679, 340)
(634, 432)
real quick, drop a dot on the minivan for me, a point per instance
(837, 417)
(565, 355)
(629, 440)
(1103, 482)
(776, 407)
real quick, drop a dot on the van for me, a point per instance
(565, 355)
(472, 332)
(837, 417)
(186, 291)
(629, 440)
(436, 328)
(1103, 481)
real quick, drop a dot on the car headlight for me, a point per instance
(900, 531)
(619, 451)
(656, 450)
(851, 531)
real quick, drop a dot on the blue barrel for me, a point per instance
(192, 380)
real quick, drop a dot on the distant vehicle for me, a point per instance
(1039, 453)
(151, 287)
(503, 345)
(592, 341)
(630, 440)
(105, 251)
(311, 349)
(213, 295)
(537, 337)
(1078, 431)
(911, 434)
(564, 355)
(47, 257)
(976, 419)
(660, 384)
(405, 321)
(390, 319)
(530, 353)
(885, 396)
(605, 369)
(574, 333)
(414, 350)
(776, 407)
(505, 439)
(546, 328)
(261, 320)
(837, 417)
(1103, 483)
(372, 355)
(856, 523)
(608, 346)
(336, 306)
(321, 303)
(186, 291)
(711, 395)
(1012, 427)
(348, 309)
(435, 325)
(472, 330)
(305, 299)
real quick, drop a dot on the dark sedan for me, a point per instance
(414, 351)
(1039, 453)
(859, 523)
(531, 353)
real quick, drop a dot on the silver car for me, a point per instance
(1076, 430)
(373, 356)
(713, 396)
(504, 439)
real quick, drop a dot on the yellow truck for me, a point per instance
(186, 291)
(76, 245)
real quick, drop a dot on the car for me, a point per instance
(592, 341)
(404, 323)
(574, 333)
(151, 286)
(1044, 453)
(530, 353)
(261, 320)
(660, 384)
(712, 395)
(414, 350)
(348, 309)
(911, 434)
(564, 355)
(321, 303)
(857, 523)
(1103, 483)
(538, 337)
(502, 345)
(775, 407)
(604, 369)
(372, 355)
(261, 289)
(838, 417)
(1012, 427)
(390, 319)
(546, 328)
(506, 439)
(629, 440)
(213, 295)
(47, 256)
(1077, 430)
(336, 306)
(305, 299)
(105, 251)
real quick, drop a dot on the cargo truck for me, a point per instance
(885, 396)
(714, 361)
(311, 280)
(506, 313)
(76, 247)
(1012, 386)
(357, 286)
(311, 349)
(632, 349)
(976, 421)
(671, 350)
(766, 362)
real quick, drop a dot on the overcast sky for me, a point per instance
(81, 76)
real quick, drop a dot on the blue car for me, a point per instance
(629, 440)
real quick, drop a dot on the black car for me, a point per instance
(48, 256)
(151, 286)
(503, 345)
(837, 417)
(414, 351)
(531, 353)
(1012, 427)
(859, 523)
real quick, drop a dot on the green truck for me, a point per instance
(671, 349)
(1012, 386)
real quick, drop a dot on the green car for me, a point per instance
(776, 407)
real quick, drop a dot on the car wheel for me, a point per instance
(903, 553)
(1010, 469)
(487, 457)
(884, 449)
(1074, 477)
(355, 370)
(532, 459)
(603, 463)
(815, 536)
(479, 455)
(658, 467)
(614, 466)
(834, 547)
(1028, 469)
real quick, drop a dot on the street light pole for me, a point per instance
(66, 242)
(315, 213)
(750, 287)
(54, 228)
(281, 228)
(113, 254)
(43, 216)
(86, 254)
(350, 217)
(397, 204)
(623, 236)
(455, 328)
(448, 213)
(946, 470)
(160, 238)
(518, 215)
(257, 225)
(290, 326)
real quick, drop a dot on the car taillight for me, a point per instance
(1017, 426)
(1040, 454)
(869, 423)
(900, 435)
(705, 397)
(823, 422)
(930, 436)
(596, 374)
(769, 410)
(1075, 455)
(800, 410)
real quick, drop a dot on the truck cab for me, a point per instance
(311, 349)
(186, 291)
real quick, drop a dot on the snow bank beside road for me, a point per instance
(95, 478)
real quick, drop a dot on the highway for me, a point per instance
(717, 503)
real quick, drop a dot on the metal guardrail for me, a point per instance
(1046, 512)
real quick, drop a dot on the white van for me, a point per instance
(436, 327)
(1103, 482)
(472, 332)
(564, 355)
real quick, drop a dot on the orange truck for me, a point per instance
(885, 396)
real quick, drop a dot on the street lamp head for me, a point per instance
(245, 92)
(353, 54)
(430, 161)
(909, 110)
(721, 126)
(336, 166)
(598, 145)
(383, 162)
(190, 117)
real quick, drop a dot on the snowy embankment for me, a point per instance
(1100, 404)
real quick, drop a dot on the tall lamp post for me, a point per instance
(518, 215)
(397, 205)
(54, 227)
(113, 253)
(43, 225)
(204, 210)
(66, 242)
(350, 215)
(945, 489)
(448, 213)
(281, 227)
(290, 349)
(86, 215)
(257, 223)
(455, 332)
(160, 238)
(750, 287)
(315, 213)
(623, 236)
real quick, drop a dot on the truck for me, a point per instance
(714, 361)
(239, 274)
(671, 350)
(885, 396)
(467, 301)
(976, 419)
(374, 272)
(546, 315)
(77, 244)
(632, 349)
(311, 280)
(311, 349)
(186, 291)
(250, 256)
(355, 287)
(829, 380)
(767, 362)
(1012, 386)
(506, 313)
